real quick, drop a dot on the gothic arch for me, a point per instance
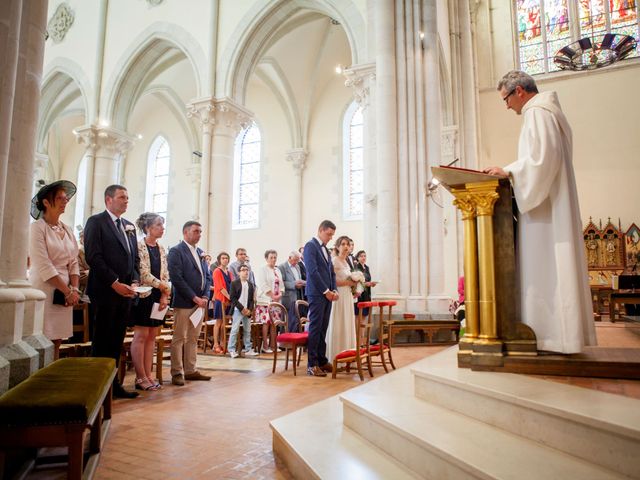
(245, 46)
(63, 84)
(126, 83)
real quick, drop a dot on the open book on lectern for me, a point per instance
(451, 177)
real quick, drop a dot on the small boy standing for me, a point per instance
(242, 300)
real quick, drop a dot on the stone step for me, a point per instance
(314, 444)
(598, 427)
(438, 443)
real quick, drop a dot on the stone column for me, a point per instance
(361, 79)
(21, 305)
(230, 119)
(298, 159)
(203, 111)
(107, 147)
(386, 150)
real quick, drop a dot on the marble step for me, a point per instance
(598, 427)
(437, 443)
(314, 444)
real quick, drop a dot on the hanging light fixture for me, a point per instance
(597, 52)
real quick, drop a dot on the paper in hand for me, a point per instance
(196, 316)
(156, 313)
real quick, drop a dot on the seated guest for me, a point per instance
(242, 301)
(293, 287)
(191, 280)
(153, 273)
(270, 289)
(54, 260)
(222, 277)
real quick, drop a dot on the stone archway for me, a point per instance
(245, 46)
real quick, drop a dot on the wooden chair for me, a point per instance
(287, 340)
(163, 352)
(383, 348)
(84, 326)
(302, 319)
(362, 348)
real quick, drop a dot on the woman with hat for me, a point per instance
(54, 260)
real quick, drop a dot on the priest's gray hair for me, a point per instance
(146, 220)
(516, 78)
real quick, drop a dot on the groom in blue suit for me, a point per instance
(321, 292)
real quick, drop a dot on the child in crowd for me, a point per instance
(242, 302)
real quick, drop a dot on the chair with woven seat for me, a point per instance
(361, 349)
(287, 340)
(383, 347)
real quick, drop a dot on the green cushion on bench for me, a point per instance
(66, 391)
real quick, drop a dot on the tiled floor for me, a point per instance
(220, 429)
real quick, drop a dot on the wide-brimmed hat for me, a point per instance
(37, 208)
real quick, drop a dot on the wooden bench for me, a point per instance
(428, 327)
(56, 406)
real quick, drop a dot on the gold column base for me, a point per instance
(487, 359)
(464, 359)
(521, 348)
(466, 343)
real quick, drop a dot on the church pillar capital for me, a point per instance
(298, 159)
(359, 78)
(105, 140)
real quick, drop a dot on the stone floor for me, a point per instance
(220, 429)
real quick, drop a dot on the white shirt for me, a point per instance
(324, 249)
(244, 295)
(296, 273)
(194, 252)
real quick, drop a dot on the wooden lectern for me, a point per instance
(492, 301)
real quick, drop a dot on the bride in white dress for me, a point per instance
(341, 334)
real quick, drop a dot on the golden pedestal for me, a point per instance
(493, 325)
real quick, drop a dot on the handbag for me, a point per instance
(58, 298)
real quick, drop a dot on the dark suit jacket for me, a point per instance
(236, 290)
(185, 276)
(320, 274)
(108, 257)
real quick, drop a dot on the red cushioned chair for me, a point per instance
(361, 350)
(287, 340)
(383, 348)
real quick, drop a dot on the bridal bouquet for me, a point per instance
(357, 277)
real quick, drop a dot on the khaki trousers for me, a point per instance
(184, 343)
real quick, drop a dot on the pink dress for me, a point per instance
(53, 253)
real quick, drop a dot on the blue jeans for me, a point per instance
(246, 331)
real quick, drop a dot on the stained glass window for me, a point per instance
(246, 178)
(545, 26)
(353, 162)
(159, 160)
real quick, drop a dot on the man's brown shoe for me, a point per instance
(177, 379)
(327, 367)
(197, 376)
(316, 372)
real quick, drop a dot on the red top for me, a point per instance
(220, 282)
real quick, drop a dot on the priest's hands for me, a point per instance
(497, 171)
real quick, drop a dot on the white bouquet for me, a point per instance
(358, 277)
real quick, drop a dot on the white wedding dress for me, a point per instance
(341, 334)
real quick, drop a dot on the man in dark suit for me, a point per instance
(293, 287)
(112, 254)
(241, 295)
(321, 291)
(191, 279)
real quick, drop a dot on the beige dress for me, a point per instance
(53, 253)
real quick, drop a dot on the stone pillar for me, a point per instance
(20, 305)
(387, 156)
(230, 119)
(361, 79)
(203, 111)
(298, 159)
(107, 148)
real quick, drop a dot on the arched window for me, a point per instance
(81, 192)
(545, 26)
(353, 162)
(158, 162)
(246, 179)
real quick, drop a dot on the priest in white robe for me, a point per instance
(552, 266)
